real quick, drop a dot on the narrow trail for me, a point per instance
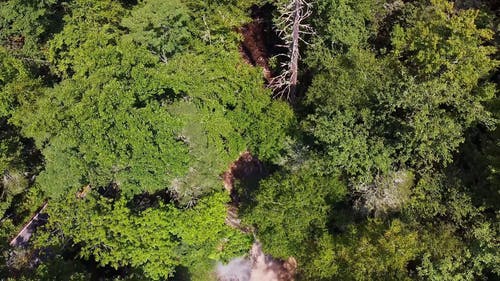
(258, 266)
(245, 169)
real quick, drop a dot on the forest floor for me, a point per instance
(253, 48)
(257, 267)
(261, 41)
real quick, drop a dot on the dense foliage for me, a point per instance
(128, 117)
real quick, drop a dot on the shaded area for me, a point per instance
(260, 40)
(141, 202)
(27, 231)
(246, 172)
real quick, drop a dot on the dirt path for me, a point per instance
(248, 170)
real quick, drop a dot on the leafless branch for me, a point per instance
(291, 30)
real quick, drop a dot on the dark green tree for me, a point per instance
(411, 106)
(291, 211)
(26, 26)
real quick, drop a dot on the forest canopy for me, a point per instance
(160, 140)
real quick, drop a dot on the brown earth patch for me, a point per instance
(261, 40)
(253, 48)
(257, 267)
(245, 168)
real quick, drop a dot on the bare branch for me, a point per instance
(291, 30)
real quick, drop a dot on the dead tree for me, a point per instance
(291, 28)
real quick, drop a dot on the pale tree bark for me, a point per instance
(291, 29)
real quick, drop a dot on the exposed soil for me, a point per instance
(267, 268)
(257, 267)
(252, 48)
(248, 170)
(260, 39)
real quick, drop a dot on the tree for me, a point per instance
(407, 108)
(156, 240)
(19, 159)
(461, 237)
(104, 129)
(225, 112)
(164, 27)
(291, 211)
(125, 115)
(18, 86)
(114, 120)
(348, 123)
(370, 251)
(26, 26)
(13, 167)
(90, 26)
(450, 65)
(342, 25)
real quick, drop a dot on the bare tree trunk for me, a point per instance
(291, 29)
(294, 58)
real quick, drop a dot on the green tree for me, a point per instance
(163, 26)
(88, 28)
(370, 251)
(18, 157)
(444, 50)
(156, 240)
(345, 24)
(107, 127)
(26, 25)
(18, 86)
(291, 211)
(348, 121)
(462, 238)
(373, 112)
(123, 117)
